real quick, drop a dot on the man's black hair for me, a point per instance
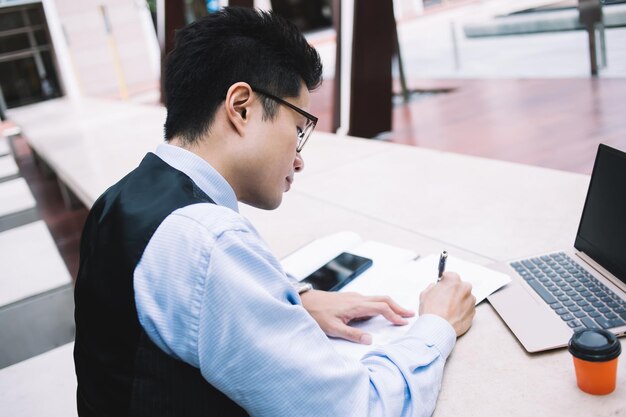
(232, 45)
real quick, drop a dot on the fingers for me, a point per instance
(373, 308)
(451, 299)
(333, 311)
(342, 330)
(450, 276)
(394, 306)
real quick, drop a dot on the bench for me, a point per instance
(17, 206)
(8, 168)
(36, 294)
(42, 386)
(5, 149)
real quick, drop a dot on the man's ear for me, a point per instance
(238, 105)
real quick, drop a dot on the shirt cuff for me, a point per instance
(434, 331)
(292, 280)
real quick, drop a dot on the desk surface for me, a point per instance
(481, 210)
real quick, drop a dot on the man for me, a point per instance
(181, 308)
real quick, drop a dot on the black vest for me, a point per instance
(120, 371)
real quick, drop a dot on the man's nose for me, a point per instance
(298, 163)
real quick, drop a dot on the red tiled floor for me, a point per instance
(552, 123)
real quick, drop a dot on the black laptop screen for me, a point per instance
(602, 231)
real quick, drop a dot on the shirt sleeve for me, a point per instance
(221, 302)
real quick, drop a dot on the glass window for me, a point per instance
(35, 16)
(14, 43)
(20, 82)
(11, 20)
(41, 37)
(28, 73)
(50, 83)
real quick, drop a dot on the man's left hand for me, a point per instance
(333, 311)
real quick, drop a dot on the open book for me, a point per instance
(396, 272)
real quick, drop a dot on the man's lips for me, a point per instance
(289, 181)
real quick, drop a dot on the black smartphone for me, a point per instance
(338, 272)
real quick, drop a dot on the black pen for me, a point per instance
(442, 264)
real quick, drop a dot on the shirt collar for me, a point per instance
(201, 172)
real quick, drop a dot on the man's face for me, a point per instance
(271, 172)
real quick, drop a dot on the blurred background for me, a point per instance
(538, 82)
(456, 67)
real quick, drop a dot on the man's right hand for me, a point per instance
(450, 299)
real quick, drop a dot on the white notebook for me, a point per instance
(396, 272)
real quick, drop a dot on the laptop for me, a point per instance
(553, 295)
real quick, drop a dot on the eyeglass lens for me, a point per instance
(304, 135)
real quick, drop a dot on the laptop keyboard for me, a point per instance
(573, 293)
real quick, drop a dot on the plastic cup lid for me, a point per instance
(595, 345)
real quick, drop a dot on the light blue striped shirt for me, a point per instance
(210, 293)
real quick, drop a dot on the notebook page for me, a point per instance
(404, 283)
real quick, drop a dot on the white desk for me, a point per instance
(483, 211)
(90, 144)
(478, 209)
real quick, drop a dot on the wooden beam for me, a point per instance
(173, 18)
(371, 83)
(241, 3)
(336, 122)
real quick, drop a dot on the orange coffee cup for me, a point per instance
(595, 353)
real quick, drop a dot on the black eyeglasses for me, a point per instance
(311, 121)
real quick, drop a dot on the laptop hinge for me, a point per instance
(606, 274)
